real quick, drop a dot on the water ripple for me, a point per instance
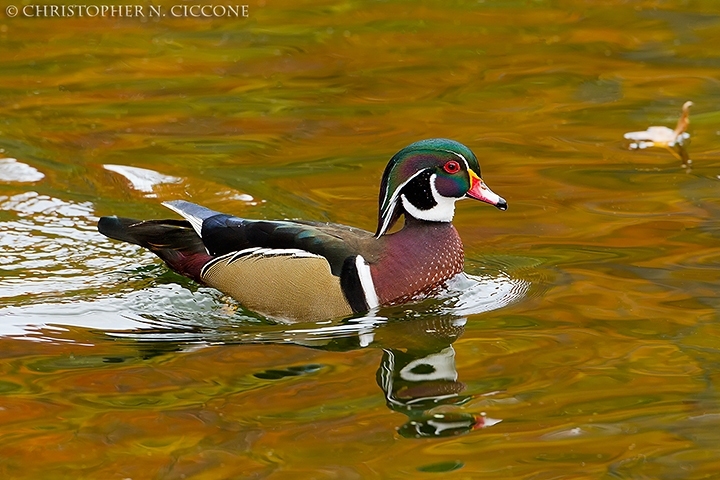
(13, 171)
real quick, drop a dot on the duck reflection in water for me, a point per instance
(417, 383)
(417, 374)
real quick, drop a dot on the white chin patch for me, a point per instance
(444, 211)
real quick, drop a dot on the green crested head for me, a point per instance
(426, 178)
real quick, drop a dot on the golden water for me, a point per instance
(604, 366)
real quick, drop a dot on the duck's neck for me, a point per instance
(419, 259)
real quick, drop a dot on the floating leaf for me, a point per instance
(664, 137)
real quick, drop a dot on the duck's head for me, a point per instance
(426, 178)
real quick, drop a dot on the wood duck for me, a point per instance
(303, 271)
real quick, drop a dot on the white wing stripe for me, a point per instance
(366, 282)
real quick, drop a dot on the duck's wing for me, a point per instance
(222, 234)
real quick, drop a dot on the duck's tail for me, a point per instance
(174, 241)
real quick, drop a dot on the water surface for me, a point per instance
(589, 350)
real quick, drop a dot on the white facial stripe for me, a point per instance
(386, 218)
(444, 211)
(467, 165)
(366, 282)
(393, 200)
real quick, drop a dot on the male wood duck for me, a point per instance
(300, 270)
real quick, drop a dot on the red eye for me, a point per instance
(451, 167)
